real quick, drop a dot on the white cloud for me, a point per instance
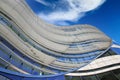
(76, 10)
(42, 2)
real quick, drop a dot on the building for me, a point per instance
(31, 49)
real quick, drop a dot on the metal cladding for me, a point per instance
(35, 47)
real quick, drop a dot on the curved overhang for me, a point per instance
(100, 65)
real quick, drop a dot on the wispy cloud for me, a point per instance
(42, 2)
(76, 10)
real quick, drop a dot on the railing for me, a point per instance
(10, 75)
(12, 59)
(26, 58)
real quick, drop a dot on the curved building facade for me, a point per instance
(31, 49)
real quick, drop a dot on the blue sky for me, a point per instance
(104, 14)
